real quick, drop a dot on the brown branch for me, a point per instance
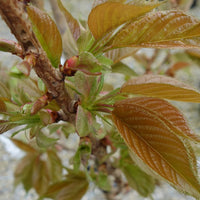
(14, 14)
(11, 46)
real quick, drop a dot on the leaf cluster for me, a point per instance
(133, 129)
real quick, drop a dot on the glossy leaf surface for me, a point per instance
(163, 29)
(161, 87)
(156, 145)
(169, 114)
(50, 40)
(109, 15)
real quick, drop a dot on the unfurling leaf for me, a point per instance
(156, 146)
(161, 87)
(107, 16)
(43, 140)
(72, 22)
(88, 86)
(72, 188)
(50, 40)
(164, 29)
(85, 122)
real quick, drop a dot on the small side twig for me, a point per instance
(14, 14)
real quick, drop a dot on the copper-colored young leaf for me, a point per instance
(5, 93)
(163, 29)
(72, 22)
(161, 87)
(47, 33)
(169, 114)
(72, 188)
(118, 54)
(2, 105)
(157, 146)
(98, 2)
(41, 177)
(23, 146)
(24, 170)
(55, 166)
(175, 67)
(109, 15)
(182, 4)
(5, 126)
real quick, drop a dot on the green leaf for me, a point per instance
(50, 40)
(102, 181)
(85, 41)
(89, 87)
(122, 68)
(44, 141)
(72, 188)
(114, 14)
(89, 63)
(41, 85)
(137, 179)
(163, 29)
(82, 154)
(84, 122)
(41, 176)
(55, 166)
(72, 22)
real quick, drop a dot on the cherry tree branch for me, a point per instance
(14, 14)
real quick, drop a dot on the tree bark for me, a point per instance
(15, 15)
